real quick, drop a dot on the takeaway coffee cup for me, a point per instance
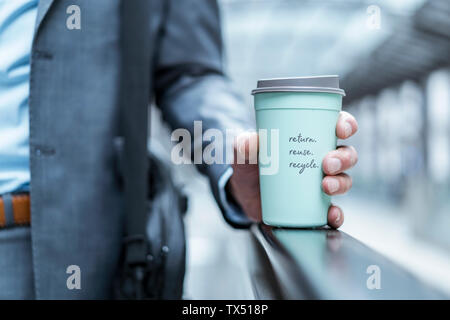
(296, 120)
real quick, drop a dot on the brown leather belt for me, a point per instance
(15, 210)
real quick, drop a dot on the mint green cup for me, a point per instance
(296, 120)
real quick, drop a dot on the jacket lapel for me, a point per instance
(44, 6)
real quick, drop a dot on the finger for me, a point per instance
(339, 184)
(339, 160)
(246, 147)
(346, 125)
(335, 217)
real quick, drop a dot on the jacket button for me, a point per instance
(42, 54)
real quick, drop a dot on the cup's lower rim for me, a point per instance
(299, 89)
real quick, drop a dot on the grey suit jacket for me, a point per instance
(79, 81)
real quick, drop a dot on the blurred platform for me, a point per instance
(217, 254)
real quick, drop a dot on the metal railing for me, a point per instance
(326, 264)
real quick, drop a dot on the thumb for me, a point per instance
(246, 148)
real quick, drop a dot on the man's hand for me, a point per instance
(244, 183)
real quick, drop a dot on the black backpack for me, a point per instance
(161, 275)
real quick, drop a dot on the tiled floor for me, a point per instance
(389, 231)
(216, 253)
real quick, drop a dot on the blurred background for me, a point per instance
(393, 58)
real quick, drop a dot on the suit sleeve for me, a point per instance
(190, 85)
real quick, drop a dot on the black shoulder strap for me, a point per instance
(135, 86)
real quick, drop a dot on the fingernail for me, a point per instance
(338, 218)
(241, 144)
(347, 129)
(333, 185)
(333, 165)
(353, 158)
